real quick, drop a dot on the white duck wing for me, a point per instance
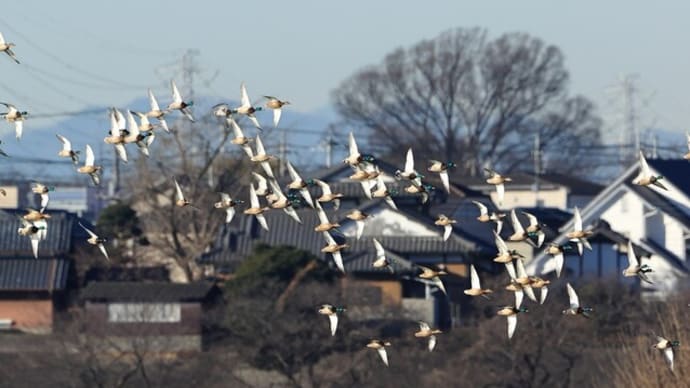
(267, 169)
(35, 239)
(276, 116)
(2, 39)
(244, 97)
(444, 179)
(632, 259)
(333, 318)
(360, 228)
(499, 226)
(512, 324)
(447, 230)
(44, 201)
(390, 202)
(380, 252)
(307, 196)
(432, 343)
(323, 218)
(517, 226)
(542, 294)
(132, 124)
(409, 161)
(290, 211)
(19, 128)
(483, 210)
(439, 283)
(529, 292)
(66, 144)
(572, 295)
(474, 278)
(500, 244)
(229, 214)
(294, 175)
(510, 268)
(577, 220)
(329, 239)
(325, 187)
(354, 150)
(644, 167)
(668, 354)
(153, 102)
(175, 93)
(383, 355)
(262, 184)
(164, 124)
(521, 273)
(260, 150)
(500, 191)
(253, 198)
(90, 232)
(178, 191)
(105, 253)
(254, 121)
(262, 221)
(366, 187)
(338, 259)
(121, 151)
(519, 295)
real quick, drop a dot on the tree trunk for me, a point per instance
(280, 303)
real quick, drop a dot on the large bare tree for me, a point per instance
(203, 162)
(472, 100)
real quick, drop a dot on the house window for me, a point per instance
(143, 312)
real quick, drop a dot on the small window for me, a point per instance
(143, 312)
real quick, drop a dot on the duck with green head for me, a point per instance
(331, 311)
(42, 190)
(6, 47)
(575, 308)
(442, 169)
(668, 348)
(645, 177)
(511, 312)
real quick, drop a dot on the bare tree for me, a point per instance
(203, 161)
(475, 101)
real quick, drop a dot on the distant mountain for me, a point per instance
(35, 155)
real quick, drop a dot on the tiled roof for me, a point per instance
(61, 232)
(33, 274)
(362, 262)
(146, 291)
(237, 240)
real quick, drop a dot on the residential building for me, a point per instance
(657, 221)
(32, 291)
(158, 317)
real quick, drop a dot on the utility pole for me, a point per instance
(282, 152)
(536, 154)
(327, 145)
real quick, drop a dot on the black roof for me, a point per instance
(146, 291)
(674, 170)
(62, 231)
(33, 274)
(577, 186)
(237, 240)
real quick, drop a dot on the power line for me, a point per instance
(67, 64)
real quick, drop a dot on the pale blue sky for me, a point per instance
(301, 50)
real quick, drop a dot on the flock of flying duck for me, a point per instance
(127, 130)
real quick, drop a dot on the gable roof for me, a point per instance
(672, 170)
(146, 291)
(33, 274)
